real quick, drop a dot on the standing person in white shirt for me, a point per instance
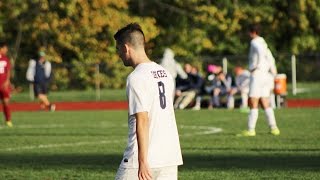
(259, 66)
(153, 149)
(242, 86)
(171, 65)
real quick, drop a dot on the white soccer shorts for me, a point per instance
(259, 85)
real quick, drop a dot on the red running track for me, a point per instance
(122, 105)
(303, 103)
(75, 106)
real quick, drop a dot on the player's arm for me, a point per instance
(253, 57)
(31, 70)
(7, 82)
(142, 131)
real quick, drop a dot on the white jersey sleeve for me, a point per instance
(47, 69)
(31, 70)
(253, 57)
(137, 95)
(181, 72)
(258, 55)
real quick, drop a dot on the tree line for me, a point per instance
(77, 34)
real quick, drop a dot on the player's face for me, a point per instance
(252, 35)
(122, 52)
(4, 50)
(187, 68)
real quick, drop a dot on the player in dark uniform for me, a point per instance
(39, 73)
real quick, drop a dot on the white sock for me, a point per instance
(198, 101)
(230, 103)
(270, 117)
(216, 101)
(253, 117)
(244, 98)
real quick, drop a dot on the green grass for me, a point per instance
(305, 91)
(308, 91)
(76, 95)
(89, 145)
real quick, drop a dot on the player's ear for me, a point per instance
(127, 48)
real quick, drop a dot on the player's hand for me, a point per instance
(144, 172)
(178, 93)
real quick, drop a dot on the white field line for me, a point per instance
(51, 126)
(302, 90)
(48, 126)
(204, 130)
(46, 146)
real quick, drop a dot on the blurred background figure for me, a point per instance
(187, 89)
(224, 85)
(198, 85)
(170, 64)
(211, 81)
(259, 66)
(242, 81)
(39, 74)
(5, 71)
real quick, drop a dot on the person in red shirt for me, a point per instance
(5, 82)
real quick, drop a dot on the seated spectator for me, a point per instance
(198, 84)
(242, 81)
(187, 89)
(212, 81)
(224, 85)
(208, 84)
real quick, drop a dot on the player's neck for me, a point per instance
(255, 36)
(140, 58)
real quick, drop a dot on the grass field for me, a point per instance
(89, 145)
(305, 90)
(76, 95)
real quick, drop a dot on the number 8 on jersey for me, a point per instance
(162, 96)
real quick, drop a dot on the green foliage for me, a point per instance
(79, 32)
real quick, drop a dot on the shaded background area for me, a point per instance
(104, 166)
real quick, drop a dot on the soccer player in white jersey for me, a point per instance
(153, 149)
(259, 66)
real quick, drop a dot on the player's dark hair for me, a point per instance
(220, 73)
(132, 33)
(254, 28)
(3, 43)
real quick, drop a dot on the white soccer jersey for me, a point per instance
(259, 55)
(149, 89)
(261, 62)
